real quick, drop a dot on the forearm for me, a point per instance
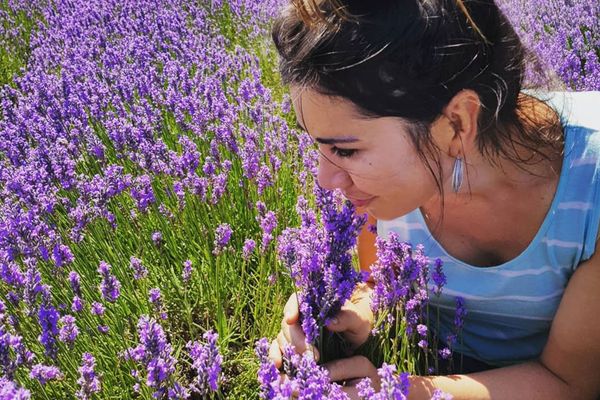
(528, 381)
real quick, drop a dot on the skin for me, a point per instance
(377, 161)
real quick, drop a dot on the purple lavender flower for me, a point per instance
(139, 271)
(88, 381)
(461, 313)
(222, 237)
(206, 360)
(393, 386)
(268, 223)
(61, 255)
(438, 277)
(154, 353)
(268, 375)
(187, 271)
(10, 391)
(13, 353)
(401, 276)
(104, 329)
(142, 192)
(74, 280)
(68, 331)
(97, 308)
(307, 379)
(48, 319)
(157, 238)
(110, 287)
(45, 373)
(248, 249)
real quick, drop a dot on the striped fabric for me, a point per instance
(511, 306)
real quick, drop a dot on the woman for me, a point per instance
(418, 110)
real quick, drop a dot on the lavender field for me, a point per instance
(154, 192)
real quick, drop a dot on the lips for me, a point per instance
(360, 202)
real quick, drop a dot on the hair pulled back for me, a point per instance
(408, 59)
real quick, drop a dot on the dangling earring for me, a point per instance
(457, 174)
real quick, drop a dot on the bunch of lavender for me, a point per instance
(206, 360)
(319, 260)
(154, 354)
(305, 379)
(400, 300)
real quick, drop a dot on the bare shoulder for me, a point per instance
(573, 349)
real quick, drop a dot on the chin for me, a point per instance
(385, 215)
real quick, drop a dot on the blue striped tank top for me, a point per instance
(511, 306)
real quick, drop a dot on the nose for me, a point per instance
(330, 176)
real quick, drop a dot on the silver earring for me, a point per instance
(457, 174)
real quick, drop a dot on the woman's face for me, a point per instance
(372, 161)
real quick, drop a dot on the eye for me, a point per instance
(343, 153)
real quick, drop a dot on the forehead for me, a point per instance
(318, 112)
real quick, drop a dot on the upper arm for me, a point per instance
(367, 254)
(572, 352)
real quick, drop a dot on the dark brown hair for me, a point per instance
(409, 58)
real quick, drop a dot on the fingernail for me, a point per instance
(334, 321)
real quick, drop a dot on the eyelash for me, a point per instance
(343, 153)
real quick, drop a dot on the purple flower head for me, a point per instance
(142, 192)
(187, 271)
(44, 373)
(76, 304)
(48, 318)
(248, 249)
(307, 379)
(393, 386)
(206, 360)
(68, 331)
(401, 276)
(268, 223)
(104, 329)
(97, 308)
(461, 313)
(157, 238)
(74, 280)
(268, 376)
(110, 287)
(139, 271)
(438, 277)
(154, 353)
(61, 255)
(10, 391)
(88, 381)
(13, 353)
(222, 237)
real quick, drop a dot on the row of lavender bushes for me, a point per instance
(156, 204)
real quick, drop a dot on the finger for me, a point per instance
(350, 368)
(290, 311)
(356, 329)
(275, 353)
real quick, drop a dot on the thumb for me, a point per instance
(290, 311)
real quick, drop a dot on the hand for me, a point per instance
(291, 333)
(354, 321)
(350, 371)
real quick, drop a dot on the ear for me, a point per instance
(462, 112)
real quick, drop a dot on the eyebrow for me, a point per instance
(330, 140)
